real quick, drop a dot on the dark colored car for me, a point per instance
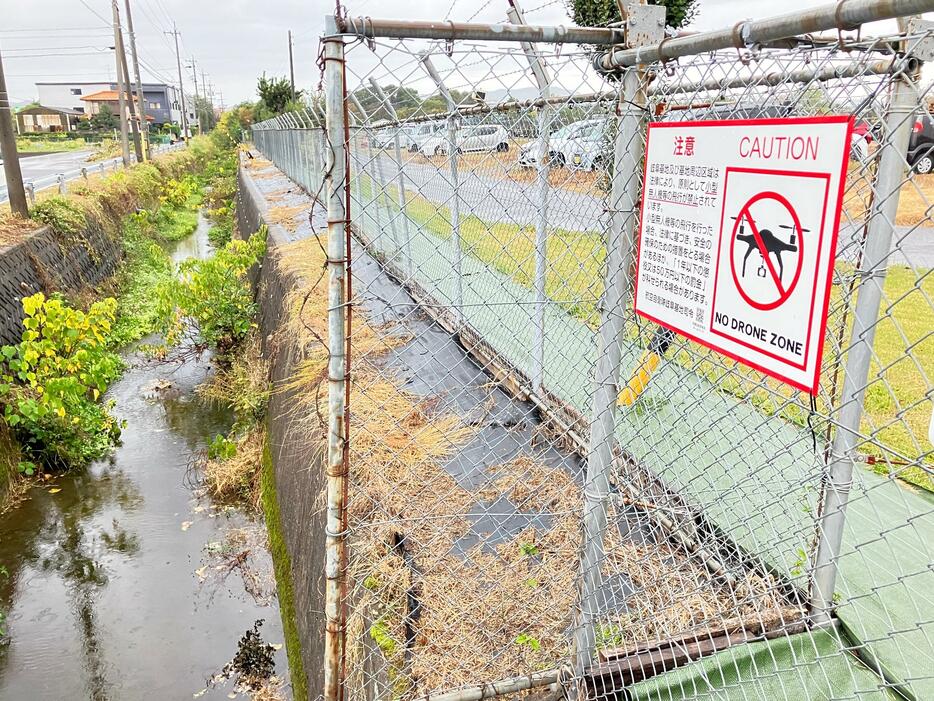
(921, 144)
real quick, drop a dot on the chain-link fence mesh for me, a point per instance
(492, 195)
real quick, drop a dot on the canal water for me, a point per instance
(123, 580)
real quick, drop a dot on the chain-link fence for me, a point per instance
(535, 486)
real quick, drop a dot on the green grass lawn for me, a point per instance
(51, 145)
(898, 399)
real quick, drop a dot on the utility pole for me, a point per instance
(204, 93)
(181, 85)
(220, 99)
(194, 75)
(140, 99)
(134, 120)
(121, 96)
(14, 176)
(291, 66)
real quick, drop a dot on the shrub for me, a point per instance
(66, 218)
(52, 381)
(211, 302)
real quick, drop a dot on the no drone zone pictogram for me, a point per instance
(751, 236)
(738, 237)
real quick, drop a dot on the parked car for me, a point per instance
(488, 137)
(921, 144)
(557, 141)
(417, 136)
(590, 148)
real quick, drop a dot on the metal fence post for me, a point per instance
(898, 124)
(514, 13)
(400, 176)
(624, 194)
(335, 544)
(455, 201)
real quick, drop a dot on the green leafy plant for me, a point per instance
(528, 549)
(26, 467)
(52, 381)
(800, 562)
(526, 640)
(221, 448)
(600, 13)
(211, 303)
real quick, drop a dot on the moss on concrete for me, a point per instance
(283, 568)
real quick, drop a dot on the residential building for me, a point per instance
(39, 119)
(160, 100)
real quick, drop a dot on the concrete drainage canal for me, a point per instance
(124, 580)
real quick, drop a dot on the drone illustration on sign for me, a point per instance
(773, 244)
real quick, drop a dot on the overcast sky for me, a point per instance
(236, 40)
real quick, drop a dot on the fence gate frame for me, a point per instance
(640, 42)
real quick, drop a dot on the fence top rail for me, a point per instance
(841, 15)
(371, 28)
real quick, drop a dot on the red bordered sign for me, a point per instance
(738, 235)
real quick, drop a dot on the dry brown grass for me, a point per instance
(237, 479)
(287, 216)
(504, 166)
(497, 611)
(306, 328)
(14, 229)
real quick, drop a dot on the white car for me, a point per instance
(590, 148)
(482, 138)
(557, 144)
(417, 136)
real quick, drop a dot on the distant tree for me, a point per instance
(276, 93)
(436, 103)
(600, 13)
(105, 119)
(27, 106)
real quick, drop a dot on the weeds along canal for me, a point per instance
(124, 581)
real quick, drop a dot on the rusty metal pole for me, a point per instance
(335, 545)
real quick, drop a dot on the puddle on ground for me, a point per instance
(124, 582)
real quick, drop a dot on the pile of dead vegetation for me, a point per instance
(433, 607)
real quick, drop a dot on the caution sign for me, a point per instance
(738, 237)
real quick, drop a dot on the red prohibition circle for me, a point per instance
(744, 213)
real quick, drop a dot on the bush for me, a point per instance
(63, 215)
(211, 303)
(52, 381)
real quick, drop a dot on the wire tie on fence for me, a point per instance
(838, 21)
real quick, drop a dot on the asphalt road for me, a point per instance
(50, 165)
(495, 199)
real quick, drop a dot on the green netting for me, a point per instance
(811, 666)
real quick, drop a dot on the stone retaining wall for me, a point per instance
(44, 263)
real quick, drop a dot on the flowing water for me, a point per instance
(124, 582)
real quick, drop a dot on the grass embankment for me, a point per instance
(896, 409)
